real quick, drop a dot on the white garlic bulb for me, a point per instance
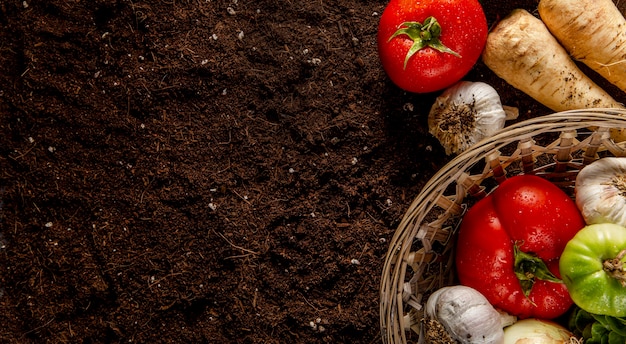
(467, 315)
(466, 113)
(601, 191)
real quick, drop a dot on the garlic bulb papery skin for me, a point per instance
(601, 191)
(466, 315)
(464, 114)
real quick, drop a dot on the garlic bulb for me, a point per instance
(467, 316)
(601, 191)
(466, 113)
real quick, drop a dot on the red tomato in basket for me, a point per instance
(510, 243)
(428, 45)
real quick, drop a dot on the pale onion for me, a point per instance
(535, 331)
(601, 191)
(467, 316)
(466, 113)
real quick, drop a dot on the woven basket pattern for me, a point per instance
(420, 256)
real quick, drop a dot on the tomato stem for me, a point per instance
(529, 268)
(615, 267)
(422, 35)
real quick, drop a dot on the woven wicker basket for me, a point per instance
(420, 257)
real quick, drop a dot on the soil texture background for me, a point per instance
(205, 171)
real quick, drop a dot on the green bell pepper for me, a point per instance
(593, 267)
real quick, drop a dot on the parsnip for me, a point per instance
(592, 31)
(521, 50)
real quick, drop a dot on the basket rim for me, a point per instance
(527, 129)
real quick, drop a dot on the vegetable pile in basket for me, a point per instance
(528, 251)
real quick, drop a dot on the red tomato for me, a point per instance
(529, 219)
(461, 31)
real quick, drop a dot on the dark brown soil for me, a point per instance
(204, 171)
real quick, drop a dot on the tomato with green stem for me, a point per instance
(593, 267)
(428, 45)
(510, 242)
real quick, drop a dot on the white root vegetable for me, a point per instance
(521, 50)
(592, 31)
